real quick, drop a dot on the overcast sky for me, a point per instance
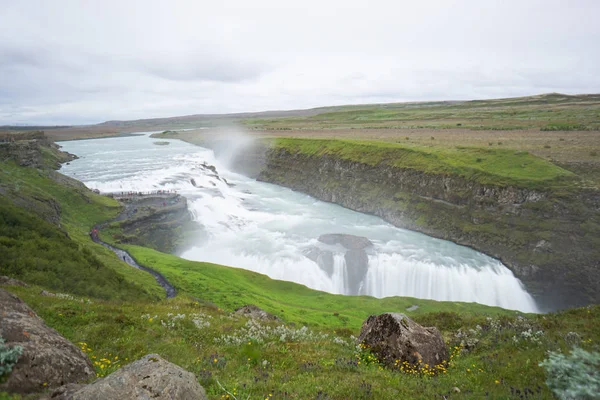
(75, 62)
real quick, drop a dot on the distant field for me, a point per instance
(547, 112)
(559, 128)
(575, 151)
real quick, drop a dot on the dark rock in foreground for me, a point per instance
(150, 377)
(350, 242)
(48, 359)
(394, 336)
(253, 312)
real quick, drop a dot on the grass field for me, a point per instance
(550, 112)
(494, 355)
(563, 129)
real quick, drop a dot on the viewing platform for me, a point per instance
(138, 195)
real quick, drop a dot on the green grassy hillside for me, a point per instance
(45, 219)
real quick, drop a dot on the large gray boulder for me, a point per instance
(150, 377)
(394, 336)
(48, 359)
(350, 242)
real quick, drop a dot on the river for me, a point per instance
(269, 229)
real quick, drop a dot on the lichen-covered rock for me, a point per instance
(150, 377)
(48, 359)
(394, 336)
(64, 392)
(252, 311)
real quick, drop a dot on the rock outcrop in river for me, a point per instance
(355, 257)
(157, 221)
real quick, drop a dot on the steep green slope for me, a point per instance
(45, 219)
(34, 251)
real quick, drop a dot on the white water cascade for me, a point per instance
(269, 229)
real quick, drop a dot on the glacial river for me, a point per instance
(269, 229)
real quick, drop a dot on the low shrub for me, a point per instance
(8, 357)
(574, 376)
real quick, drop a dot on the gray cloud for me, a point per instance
(84, 62)
(206, 66)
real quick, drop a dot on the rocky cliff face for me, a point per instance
(549, 239)
(157, 222)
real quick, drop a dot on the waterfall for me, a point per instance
(340, 274)
(493, 284)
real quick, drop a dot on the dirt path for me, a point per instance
(125, 256)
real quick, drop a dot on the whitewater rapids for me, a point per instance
(268, 229)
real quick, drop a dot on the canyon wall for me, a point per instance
(549, 239)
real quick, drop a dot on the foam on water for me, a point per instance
(267, 228)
